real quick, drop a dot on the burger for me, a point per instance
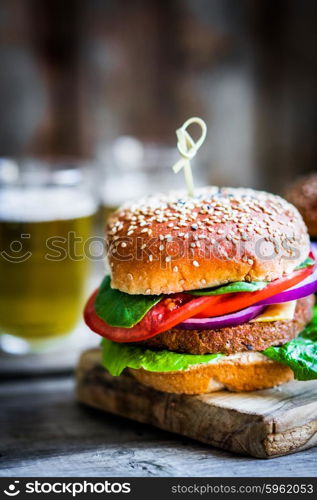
(303, 194)
(208, 292)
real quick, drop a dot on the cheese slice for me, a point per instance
(277, 312)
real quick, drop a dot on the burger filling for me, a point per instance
(174, 332)
(252, 336)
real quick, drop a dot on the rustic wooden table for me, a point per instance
(45, 432)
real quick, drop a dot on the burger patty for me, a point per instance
(245, 337)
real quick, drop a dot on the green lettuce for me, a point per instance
(300, 354)
(307, 262)
(116, 357)
(122, 309)
(235, 287)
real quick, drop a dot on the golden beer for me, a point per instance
(107, 211)
(43, 261)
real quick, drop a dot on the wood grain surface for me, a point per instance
(263, 424)
(43, 431)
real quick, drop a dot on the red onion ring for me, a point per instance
(216, 322)
(303, 289)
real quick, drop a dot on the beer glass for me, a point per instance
(46, 217)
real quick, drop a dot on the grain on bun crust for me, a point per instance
(238, 372)
(172, 243)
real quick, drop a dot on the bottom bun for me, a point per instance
(238, 372)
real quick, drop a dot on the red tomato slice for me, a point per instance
(235, 301)
(163, 316)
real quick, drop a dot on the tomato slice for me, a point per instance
(170, 311)
(235, 301)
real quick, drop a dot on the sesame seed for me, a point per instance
(161, 247)
(150, 258)
(175, 269)
(129, 276)
(123, 244)
(195, 263)
(168, 258)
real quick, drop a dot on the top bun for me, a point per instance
(172, 243)
(303, 194)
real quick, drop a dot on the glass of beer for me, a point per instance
(46, 217)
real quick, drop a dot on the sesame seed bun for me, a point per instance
(172, 243)
(237, 372)
(303, 194)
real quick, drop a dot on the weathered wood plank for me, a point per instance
(263, 424)
(44, 431)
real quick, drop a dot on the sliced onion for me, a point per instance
(233, 319)
(302, 289)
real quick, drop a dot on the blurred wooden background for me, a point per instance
(76, 74)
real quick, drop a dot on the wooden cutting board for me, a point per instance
(263, 424)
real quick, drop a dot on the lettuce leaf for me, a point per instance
(300, 354)
(122, 309)
(307, 262)
(116, 357)
(235, 287)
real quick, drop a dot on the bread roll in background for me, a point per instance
(303, 194)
